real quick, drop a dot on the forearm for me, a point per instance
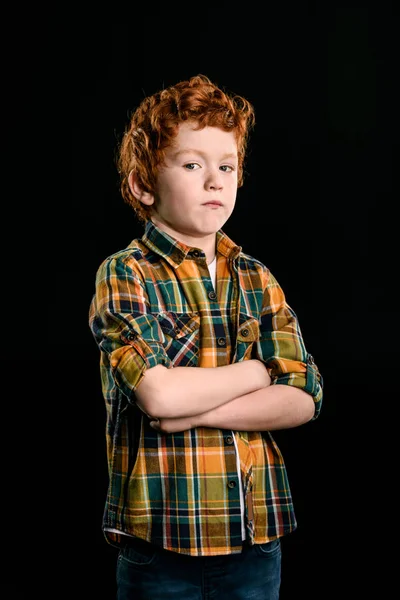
(188, 391)
(267, 409)
(274, 407)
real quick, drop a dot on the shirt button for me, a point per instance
(229, 439)
(221, 341)
(232, 484)
(212, 295)
(195, 253)
(131, 335)
(245, 332)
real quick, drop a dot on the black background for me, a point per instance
(315, 208)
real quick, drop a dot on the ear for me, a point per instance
(138, 192)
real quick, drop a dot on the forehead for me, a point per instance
(208, 139)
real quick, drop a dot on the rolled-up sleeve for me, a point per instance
(126, 332)
(281, 346)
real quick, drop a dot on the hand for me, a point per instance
(172, 425)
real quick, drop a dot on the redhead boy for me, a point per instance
(201, 358)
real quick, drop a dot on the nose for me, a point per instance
(213, 179)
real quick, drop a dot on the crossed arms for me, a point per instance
(237, 396)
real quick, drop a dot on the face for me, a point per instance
(196, 188)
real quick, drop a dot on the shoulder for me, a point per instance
(253, 266)
(255, 274)
(128, 258)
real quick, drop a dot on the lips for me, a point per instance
(215, 203)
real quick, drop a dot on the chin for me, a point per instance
(209, 229)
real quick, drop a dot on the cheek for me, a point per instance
(233, 189)
(173, 205)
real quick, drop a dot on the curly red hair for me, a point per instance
(154, 124)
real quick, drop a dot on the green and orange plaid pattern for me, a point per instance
(154, 303)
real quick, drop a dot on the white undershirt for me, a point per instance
(212, 269)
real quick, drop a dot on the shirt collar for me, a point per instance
(175, 252)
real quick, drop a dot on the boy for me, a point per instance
(201, 357)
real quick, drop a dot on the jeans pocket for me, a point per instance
(138, 553)
(269, 548)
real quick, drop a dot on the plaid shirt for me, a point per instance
(154, 303)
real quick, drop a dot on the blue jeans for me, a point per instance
(146, 572)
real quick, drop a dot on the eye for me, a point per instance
(227, 168)
(191, 166)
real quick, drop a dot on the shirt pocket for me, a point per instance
(248, 334)
(181, 337)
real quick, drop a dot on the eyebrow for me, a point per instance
(201, 153)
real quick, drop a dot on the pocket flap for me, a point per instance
(178, 325)
(249, 329)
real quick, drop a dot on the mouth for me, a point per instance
(213, 204)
